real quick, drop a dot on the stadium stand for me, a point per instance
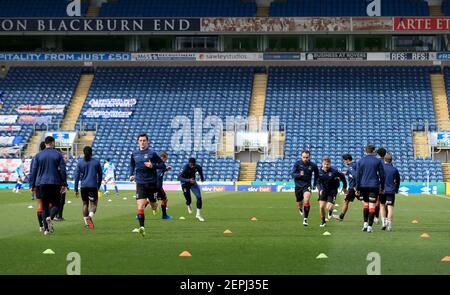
(447, 82)
(446, 7)
(178, 8)
(347, 8)
(33, 8)
(162, 94)
(36, 86)
(337, 110)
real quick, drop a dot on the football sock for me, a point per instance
(306, 208)
(141, 217)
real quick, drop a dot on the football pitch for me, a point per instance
(277, 243)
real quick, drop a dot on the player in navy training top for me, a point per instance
(144, 163)
(381, 152)
(189, 183)
(391, 188)
(328, 184)
(302, 173)
(49, 175)
(350, 172)
(89, 171)
(369, 184)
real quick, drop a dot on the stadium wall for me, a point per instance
(407, 188)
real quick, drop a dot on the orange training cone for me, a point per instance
(446, 259)
(227, 231)
(254, 219)
(185, 254)
(414, 221)
(424, 235)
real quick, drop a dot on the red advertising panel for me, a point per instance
(421, 23)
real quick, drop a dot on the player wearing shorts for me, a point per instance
(49, 174)
(161, 194)
(350, 196)
(89, 172)
(109, 170)
(189, 183)
(20, 176)
(328, 184)
(302, 173)
(387, 200)
(144, 163)
(369, 184)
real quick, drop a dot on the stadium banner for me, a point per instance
(62, 56)
(413, 24)
(443, 56)
(12, 150)
(10, 128)
(8, 119)
(383, 24)
(9, 165)
(282, 56)
(63, 139)
(431, 188)
(112, 103)
(412, 56)
(447, 188)
(217, 188)
(107, 114)
(233, 56)
(439, 139)
(256, 188)
(8, 177)
(330, 56)
(100, 24)
(41, 109)
(170, 56)
(252, 139)
(28, 119)
(7, 140)
(275, 24)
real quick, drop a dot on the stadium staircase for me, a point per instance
(435, 10)
(440, 101)
(33, 144)
(262, 11)
(258, 100)
(421, 147)
(86, 138)
(77, 102)
(93, 11)
(247, 171)
(226, 145)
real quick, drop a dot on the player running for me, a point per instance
(369, 184)
(109, 170)
(143, 166)
(161, 194)
(328, 184)
(20, 171)
(302, 172)
(188, 184)
(49, 174)
(350, 172)
(89, 171)
(391, 188)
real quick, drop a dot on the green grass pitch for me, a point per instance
(277, 243)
